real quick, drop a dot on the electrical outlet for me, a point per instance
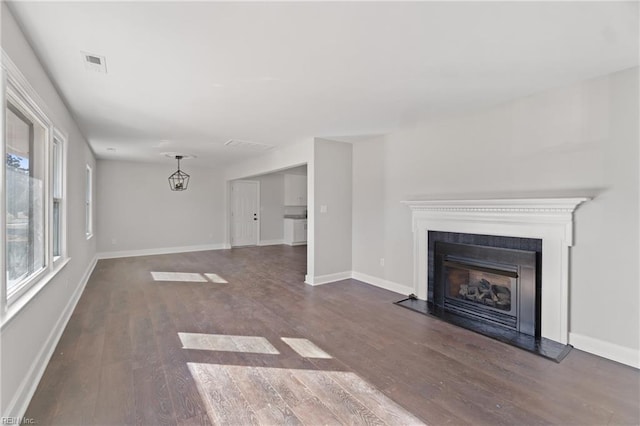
(382, 261)
(323, 208)
(114, 241)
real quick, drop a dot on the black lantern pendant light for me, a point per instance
(179, 180)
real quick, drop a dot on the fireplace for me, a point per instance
(491, 275)
(483, 283)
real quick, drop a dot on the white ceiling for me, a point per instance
(186, 77)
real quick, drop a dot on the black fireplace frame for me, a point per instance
(522, 265)
(533, 245)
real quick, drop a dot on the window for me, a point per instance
(89, 202)
(33, 212)
(25, 177)
(57, 162)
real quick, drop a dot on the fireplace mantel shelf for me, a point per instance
(548, 219)
(525, 205)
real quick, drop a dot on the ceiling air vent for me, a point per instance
(93, 62)
(246, 145)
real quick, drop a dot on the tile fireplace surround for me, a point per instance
(548, 219)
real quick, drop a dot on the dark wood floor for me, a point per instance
(120, 360)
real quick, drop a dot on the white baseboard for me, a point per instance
(302, 243)
(20, 402)
(382, 283)
(166, 250)
(329, 278)
(367, 279)
(621, 354)
(270, 242)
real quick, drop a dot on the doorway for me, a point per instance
(245, 208)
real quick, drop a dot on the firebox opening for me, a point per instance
(477, 285)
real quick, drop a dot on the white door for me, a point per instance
(244, 213)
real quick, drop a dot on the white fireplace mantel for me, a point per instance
(548, 219)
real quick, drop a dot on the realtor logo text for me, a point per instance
(17, 421)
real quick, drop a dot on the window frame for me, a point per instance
(88, 202)
(19, 98)
(15, 88)
(59, 164)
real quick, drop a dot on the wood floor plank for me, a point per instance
(264, 400)
(383, 407)
(304, 403)
(187, 403)
(115, 408)
(226, 404)
(118, 335)
(144, 351)
(45, 400)
(81, 383)
(416, 400)
(305, 348)
(152, 401)
(340, 402)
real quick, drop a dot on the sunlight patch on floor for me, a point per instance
(239, 395)
(178, 276)
(188, 277)
(305, 348)
(226, 343)
(215, 278)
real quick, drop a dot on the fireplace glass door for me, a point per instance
(482, 285)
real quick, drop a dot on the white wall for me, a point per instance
(139, 213)
(333, 189)
(577, 140)
(368, 215)
(271, 208)
(29, 337)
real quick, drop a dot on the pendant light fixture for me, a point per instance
(179, 180)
